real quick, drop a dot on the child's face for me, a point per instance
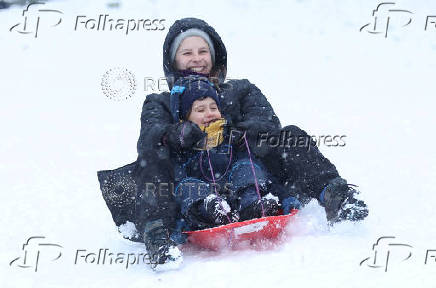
(204, 112)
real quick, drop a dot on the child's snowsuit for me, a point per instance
(224, 170)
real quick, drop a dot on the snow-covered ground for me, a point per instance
(318, 71)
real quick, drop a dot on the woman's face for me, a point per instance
(204, 112)
(194, 54)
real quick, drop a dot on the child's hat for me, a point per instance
(186, 91)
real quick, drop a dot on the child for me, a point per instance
(218, 180)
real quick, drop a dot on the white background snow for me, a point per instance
(317, 70)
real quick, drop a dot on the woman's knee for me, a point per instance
(294, 130)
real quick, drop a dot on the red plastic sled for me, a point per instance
(241, 234)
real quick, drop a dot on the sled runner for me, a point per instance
(240, 235)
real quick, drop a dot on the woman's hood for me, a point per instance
(220, 67)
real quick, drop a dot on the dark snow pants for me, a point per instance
(237, 188)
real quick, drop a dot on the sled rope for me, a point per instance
(254, 174)
(225, 172)
(182, 134)
(214, 184)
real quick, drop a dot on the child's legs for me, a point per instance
(241, 176)
(200, 207)
(190, 191)
(251, 204)
(247, 197)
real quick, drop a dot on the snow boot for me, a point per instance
(218, 211)
(269, 204)
(210, 212)
(162, 251)
(341, 203)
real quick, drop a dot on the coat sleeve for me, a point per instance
(255, 107)
(155, 118)
(258, 116)
(154, 165)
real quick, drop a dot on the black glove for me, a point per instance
(183, 135)
(339, 200)
(161, 249)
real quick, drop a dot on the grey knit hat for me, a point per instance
(188, 33)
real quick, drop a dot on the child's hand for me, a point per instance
(183, 135)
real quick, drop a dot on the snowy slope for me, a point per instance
(318, 71)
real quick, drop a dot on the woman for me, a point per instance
(193, 47)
